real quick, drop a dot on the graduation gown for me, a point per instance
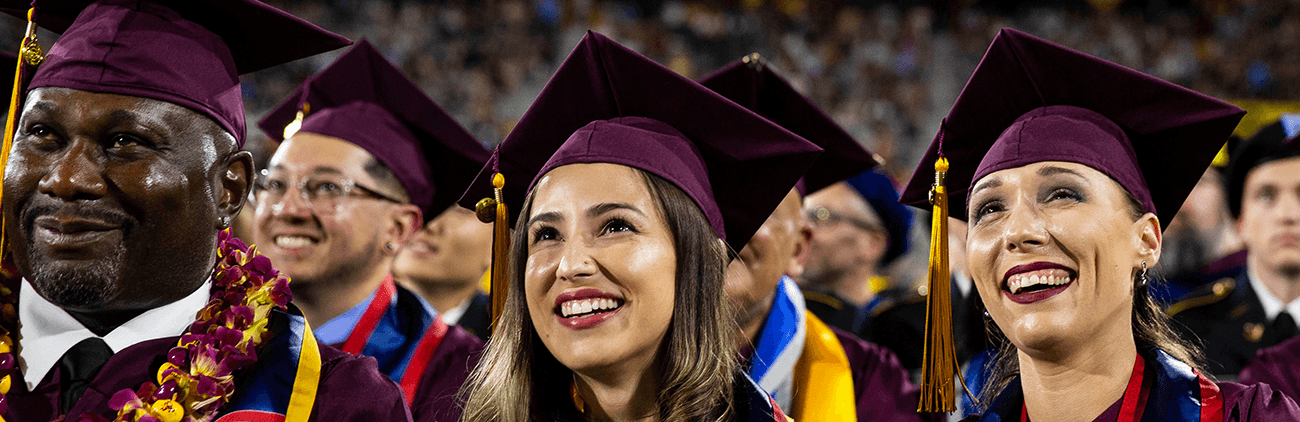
(477, 318)
(883, 390)
(1277, 366)
(1174, 394)
(899, 325)
(401, 332)
(1226, 319)
(350, 388)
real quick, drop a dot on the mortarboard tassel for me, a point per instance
(939, 359)
(493, 210)
(29, 52)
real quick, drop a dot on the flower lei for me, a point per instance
(198, 377)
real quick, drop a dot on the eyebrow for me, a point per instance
(593, 212)
(991, 183)
(1054, 170)
(314, 170)
(607, 207)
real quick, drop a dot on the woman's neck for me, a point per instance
(620, 395)
(1077, 383)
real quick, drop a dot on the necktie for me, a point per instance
(78, 367)
(1284, 327)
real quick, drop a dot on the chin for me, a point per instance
(1039, 333)
(83, 287)
(591, 355)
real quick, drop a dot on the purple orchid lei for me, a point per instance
(198, 377)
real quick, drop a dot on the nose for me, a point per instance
(291, 206)
(1025, 227)
(576, 263)
(77, 174)
(1289, 208)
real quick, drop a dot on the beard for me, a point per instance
(82, 287)
(344, 269)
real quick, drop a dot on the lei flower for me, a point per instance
(198, 377)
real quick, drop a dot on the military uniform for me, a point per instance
(1225, 318)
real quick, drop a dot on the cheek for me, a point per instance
(539, 275)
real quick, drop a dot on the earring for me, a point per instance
(225, 222)
(1142, 277)
(389, 246)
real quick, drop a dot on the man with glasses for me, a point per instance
(858, 230)
(367, 160)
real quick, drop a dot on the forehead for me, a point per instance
(586, 184)
(839, 197)
(86, 105)
(310, 151)
(1283, 172)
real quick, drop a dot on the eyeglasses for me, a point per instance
(321, 191)
(823, 217)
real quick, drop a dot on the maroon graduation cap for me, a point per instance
(363, 99)
(608, 104)
(186, 52)
(1030, 100)
(752, 84)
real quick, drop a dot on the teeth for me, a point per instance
(1054, 277)
(293, 241)
(585, 306)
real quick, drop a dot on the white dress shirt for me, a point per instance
(1271, 304)
(48, 331)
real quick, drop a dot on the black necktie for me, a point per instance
(78, 367)
(1284, 327)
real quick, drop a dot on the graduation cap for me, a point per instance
(609, 104)
(1267, 145)
(1030, 101)
(751, 83)
(363, 99)
(189, 53)
(879, 192)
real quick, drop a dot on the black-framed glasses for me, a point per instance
(823, 217)
(322, 191)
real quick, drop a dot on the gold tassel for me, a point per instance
(939, 361)
(493, 210)
(29, 52)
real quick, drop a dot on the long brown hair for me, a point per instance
(1151, 329)
(520, 380)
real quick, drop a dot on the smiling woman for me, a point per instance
(626, 207)
(1074, 166)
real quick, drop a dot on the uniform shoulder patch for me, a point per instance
(1205, 295)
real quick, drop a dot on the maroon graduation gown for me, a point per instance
(450, 365)
(1277, 366)
(883, 390)
(351, 388)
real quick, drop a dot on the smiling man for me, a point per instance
(445, 263)
(1235, 317)
(367, 156)
(134, 301)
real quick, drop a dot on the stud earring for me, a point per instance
(389, 246)
(225, 222)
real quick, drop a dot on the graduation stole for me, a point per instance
(413, 360)
(801, 363)
(1176, 393)
(197, 380)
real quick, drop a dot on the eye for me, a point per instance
(123, 140)
(325, 188)
(985, 209)
(544, 233)
(1064, 193)
(39, 131)
(615, 225)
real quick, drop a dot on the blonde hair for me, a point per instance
(519, 379)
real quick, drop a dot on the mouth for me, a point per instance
(70, 232)
(1033, 282)
(586, 308)
(294, 241)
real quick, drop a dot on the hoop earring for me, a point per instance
(1142, 277)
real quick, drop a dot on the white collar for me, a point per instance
(452, 316)
(1271, 304)
(48, 331)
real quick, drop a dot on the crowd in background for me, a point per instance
(887, 71)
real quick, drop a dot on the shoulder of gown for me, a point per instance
(882, 387)
(353, 389)
(438, 394)
(1256, 402)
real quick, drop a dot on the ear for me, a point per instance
(404, 220)
(1150, 240)
(236, 184)
(802, 238)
